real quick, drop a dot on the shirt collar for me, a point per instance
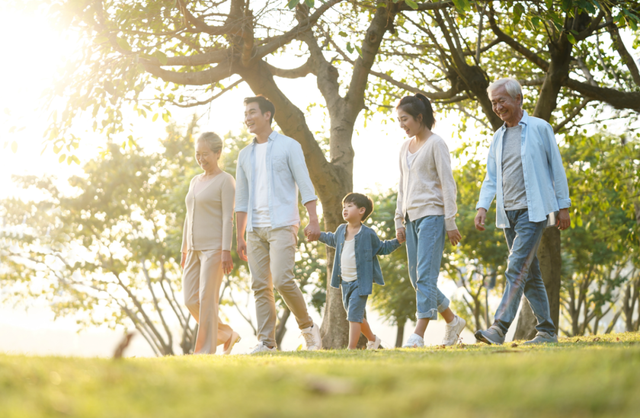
(523, 121)
(272, 136)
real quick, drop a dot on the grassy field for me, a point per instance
(578, 377)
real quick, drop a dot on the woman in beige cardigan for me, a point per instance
(206, 245)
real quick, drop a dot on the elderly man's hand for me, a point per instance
(481, 216)
(242, 249)
(564, 220)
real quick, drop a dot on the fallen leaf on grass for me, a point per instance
(514, 345)
(596, 339)
(506, 351)
(327, 385)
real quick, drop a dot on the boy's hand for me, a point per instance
(454, 237)
(401, 235)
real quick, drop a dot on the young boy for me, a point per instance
(355, 265)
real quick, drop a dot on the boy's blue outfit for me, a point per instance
(367, 247)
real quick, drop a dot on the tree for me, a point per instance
(216, 46)
(556, 48)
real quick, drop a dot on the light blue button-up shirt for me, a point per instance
(544, 177)
(287, 172)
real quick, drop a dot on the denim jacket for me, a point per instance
(367, 247)
(544, 178)
(287, 172)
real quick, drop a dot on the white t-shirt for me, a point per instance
(410, 158)
(260, 217)
(348, 260)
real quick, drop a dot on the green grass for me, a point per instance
(578, 377)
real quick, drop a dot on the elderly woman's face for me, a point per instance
(207, 159)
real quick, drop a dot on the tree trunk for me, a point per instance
(400, 334)
(550, 260)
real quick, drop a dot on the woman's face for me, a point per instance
(207, 159)
(407, 122)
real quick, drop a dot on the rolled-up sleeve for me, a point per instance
(301, 174)
(560, 184)
(242, 186)
(488, 190)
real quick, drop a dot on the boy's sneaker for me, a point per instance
(414, 341)
(493, 335)
(543, 338)
(374, 345)
(453, 330)
(312, 337)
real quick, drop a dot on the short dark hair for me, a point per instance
(264, 104)
(361, 201)
(418, 105)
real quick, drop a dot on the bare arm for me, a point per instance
(241, 226)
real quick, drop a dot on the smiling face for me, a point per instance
(352, 213)
(207, 159)
(505, 106)
(255, 120)
(408, 123)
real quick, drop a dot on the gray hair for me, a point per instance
(511, 85)
(212, 140)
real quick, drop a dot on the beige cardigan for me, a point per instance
(428, 188)
(209, 222)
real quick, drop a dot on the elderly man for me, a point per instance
(525, 174)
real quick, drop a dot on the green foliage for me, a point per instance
(591, 378)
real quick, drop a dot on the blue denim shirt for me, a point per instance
(544, 177)
(287, 172)
(367, 247)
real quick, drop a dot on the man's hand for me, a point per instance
(564, 220)
(183, 259)
(227, 262)
(242, 249)
(401, 235)
(454, 237)
(312, 231)
(481, 216)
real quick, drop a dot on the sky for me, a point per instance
(36, 54)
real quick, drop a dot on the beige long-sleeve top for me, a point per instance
(428, 187)
(209, 222)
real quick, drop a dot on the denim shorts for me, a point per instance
(353, 303)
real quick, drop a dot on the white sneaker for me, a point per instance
(374, 345)
(262, 348)
(312, 337)
(414, 341)
(453, 330)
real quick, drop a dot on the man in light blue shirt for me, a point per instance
(270, 172)
(526, 175)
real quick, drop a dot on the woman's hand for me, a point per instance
(401, 235)
(454, 237)
(183, 259)
(227, 262)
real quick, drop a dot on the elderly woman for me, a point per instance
(206, 245)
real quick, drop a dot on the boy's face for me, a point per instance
(352, 213)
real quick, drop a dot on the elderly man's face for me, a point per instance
(505, 106)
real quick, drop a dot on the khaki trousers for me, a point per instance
(272, 254)
(201, 282)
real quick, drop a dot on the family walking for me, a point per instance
(524, 174)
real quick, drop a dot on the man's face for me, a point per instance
(255, 120)
(505, 106)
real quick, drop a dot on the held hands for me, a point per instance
(401, 235)
(242, 249)
(564, 220)
(227, 262)
(312, 231)
(481, 216)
